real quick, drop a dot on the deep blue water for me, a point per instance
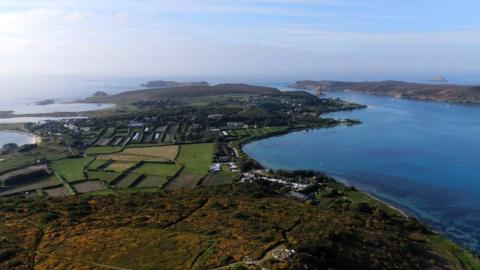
(421, 156)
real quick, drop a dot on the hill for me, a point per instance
(238, 226)
(435, 92)
(168, 84)
(182, 93)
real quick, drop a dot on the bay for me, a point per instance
(420, 156)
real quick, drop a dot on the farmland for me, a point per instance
(71, 169)
(158, 169)
(120, 166)
(162, 183)
(196, 159)
(164, 152)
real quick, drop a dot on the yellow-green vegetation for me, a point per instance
(207, 228)
(159, 169)
(120, 166)
(357, 197)
(103, 150)
(457, 257)
(71, 168)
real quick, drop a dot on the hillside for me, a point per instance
(180, 93)
(239, 226)
(167, 84)
(435, 92)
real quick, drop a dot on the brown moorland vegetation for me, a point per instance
(216, 227)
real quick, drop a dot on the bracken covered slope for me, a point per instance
(179, 93)
(229, 227)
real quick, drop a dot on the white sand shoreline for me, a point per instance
(34, 139)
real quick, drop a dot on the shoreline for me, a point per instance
(34, 139)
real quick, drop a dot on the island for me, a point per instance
(45, 102)
(160, 181)
(434, 92)
(167, 84)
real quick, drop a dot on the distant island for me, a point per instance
(45, 102)
(169, 84)
(439, 79)
(435, 92)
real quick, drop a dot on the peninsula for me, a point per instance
(434, 91)
(160, 181)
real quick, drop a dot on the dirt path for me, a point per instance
(173, 223)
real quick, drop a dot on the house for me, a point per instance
(215, 168)
(215, 116)
(299, 196)
(234, 124)
(135, 124)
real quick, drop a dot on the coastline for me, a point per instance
(34, 139)
(419, 99)
(337, 179)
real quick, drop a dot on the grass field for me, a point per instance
(88, 186)
(103, 150)
(16, 162)
(221, 178)
(128, 180)
(95, 165)
(109, 132)
(127, 158)
(120, 166)
(196, 158)
(152, 181)
(159, 169)
(163, 152)
(104, 176)
(72, 168)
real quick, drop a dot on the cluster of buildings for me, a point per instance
(251, 177)
(217, 167)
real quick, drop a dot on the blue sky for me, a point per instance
(271, 38)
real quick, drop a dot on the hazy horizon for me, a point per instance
(306, 39)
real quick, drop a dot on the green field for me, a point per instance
(223, 178)
(128, 180)
(152, 181)
(95, 165)
(103, 150)
(16, 162)
(196, 158)
(109, 132)
(104, 176)
(120, 166)
(159, 169)
(71, 169)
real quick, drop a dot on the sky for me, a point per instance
(301, 39)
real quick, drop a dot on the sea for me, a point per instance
(419, 156)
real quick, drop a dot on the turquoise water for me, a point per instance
(14, 137)
(421, 156)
